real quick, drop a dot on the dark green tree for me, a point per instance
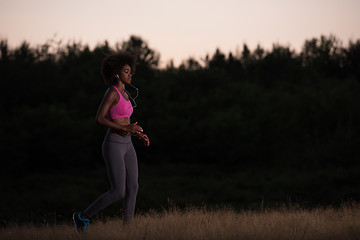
(218, 60)
(139, 47)
(324, 55)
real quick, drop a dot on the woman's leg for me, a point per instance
(132, 185)
(113, 153)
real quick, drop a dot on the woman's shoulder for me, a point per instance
(110, 90)
(111, 93)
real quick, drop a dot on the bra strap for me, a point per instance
(120, 95)
(117, 90)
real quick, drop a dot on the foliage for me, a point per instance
(259, 105)
(276, 108)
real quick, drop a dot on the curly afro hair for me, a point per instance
(112, 65)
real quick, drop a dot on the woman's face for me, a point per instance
(125, 74)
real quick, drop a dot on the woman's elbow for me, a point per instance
(99, 120)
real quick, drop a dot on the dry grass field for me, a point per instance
(197, 223)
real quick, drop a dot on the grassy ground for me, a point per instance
(202, 223)
(39, 198)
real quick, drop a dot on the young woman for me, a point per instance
(118, 151)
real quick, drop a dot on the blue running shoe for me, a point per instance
(80, 223)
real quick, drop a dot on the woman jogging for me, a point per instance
(118, 152)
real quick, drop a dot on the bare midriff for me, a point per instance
(120, 121)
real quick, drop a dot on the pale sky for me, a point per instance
(179, 29)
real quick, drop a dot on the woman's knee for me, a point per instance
(118, 194)
(133, 188)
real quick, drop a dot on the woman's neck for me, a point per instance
(120, 85)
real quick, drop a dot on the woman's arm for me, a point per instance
(109, 98)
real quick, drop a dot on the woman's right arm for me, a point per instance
(101, 119)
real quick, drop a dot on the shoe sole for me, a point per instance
(76, 227)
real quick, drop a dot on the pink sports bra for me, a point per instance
(122, 109)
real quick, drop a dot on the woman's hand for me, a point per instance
(121, 132)
(133, 128)
(143, 137)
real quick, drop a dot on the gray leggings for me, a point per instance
(122, 168)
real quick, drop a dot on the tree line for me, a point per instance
(264, 107)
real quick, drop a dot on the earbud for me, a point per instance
(118, 78)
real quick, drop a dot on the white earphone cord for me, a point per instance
(137, 94)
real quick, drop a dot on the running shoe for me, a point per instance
(80, 223)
